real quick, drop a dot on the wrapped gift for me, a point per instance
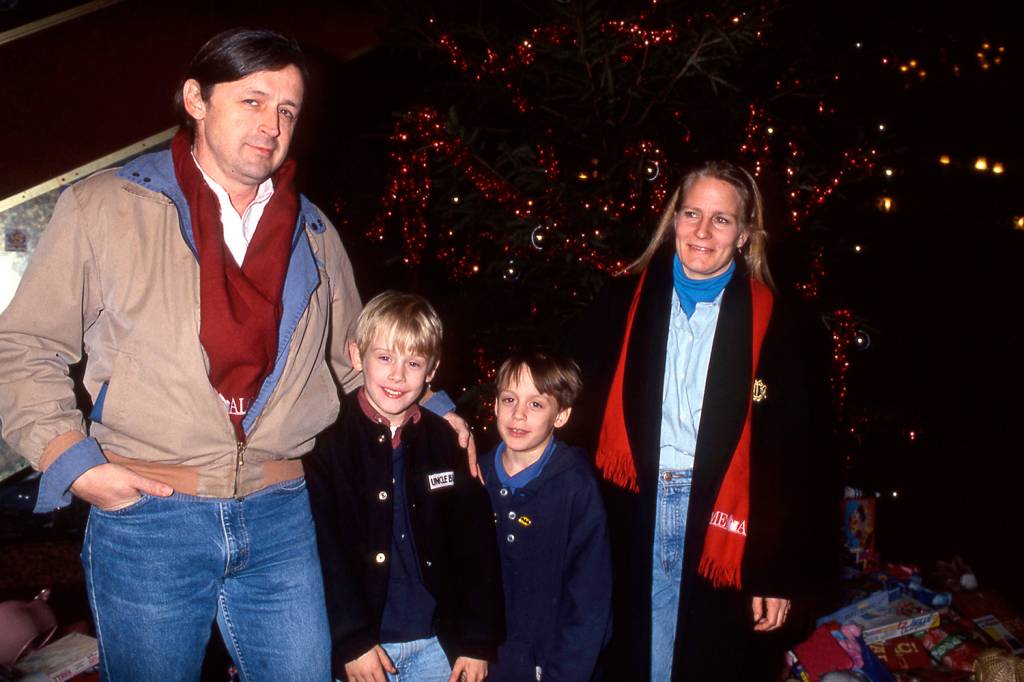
(906, 652)
(999, 634)
(951, 647)
(902, 616)
(821, 653)
(874, 601)
(994, 616)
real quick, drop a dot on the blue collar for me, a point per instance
(694, 291)
(523, 478)
(155, 172)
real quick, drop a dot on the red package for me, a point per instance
(902, 653)
(985, 607)
(820, 653)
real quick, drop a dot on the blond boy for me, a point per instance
(405, 532)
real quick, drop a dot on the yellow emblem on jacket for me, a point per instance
(760, 391)
(525, 521)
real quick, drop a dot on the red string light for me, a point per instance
(423, 141)
(421, 136)
(812, 287)
(843, 332)
(642, 37)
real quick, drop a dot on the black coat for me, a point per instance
(791, 476)
(351, 492)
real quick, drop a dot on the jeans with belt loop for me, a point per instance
(669, 533)
(420, 660)
(161, 570)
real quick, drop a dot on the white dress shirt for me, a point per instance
(239, 229)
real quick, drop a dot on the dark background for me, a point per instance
(936, 283)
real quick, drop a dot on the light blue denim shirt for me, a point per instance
(687, 355)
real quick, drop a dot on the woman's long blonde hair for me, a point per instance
(755, 251)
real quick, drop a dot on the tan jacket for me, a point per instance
(115, 271)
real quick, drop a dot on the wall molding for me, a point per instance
(28, 29)
(88, 169)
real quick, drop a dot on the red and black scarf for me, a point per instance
(240, 307)
(726, 536)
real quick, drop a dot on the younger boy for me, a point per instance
(406, 535)
(552, 533)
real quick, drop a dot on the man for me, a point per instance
(213, 302)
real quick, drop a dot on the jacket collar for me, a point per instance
(155, 172)
(645, 368)
(728, 384)
(563, 458)
(413, 415)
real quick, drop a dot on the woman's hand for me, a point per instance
(769, 613)
(468, 670)
(370, 667)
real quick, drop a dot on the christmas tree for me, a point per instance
(552, 135)
(909, 256)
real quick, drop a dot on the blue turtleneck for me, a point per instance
(693, 291)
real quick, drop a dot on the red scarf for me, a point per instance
(240, 307)
(726, 536)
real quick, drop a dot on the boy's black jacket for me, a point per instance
(453, 528)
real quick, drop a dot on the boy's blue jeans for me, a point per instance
(161, 570)
(421, 660)
(669, 531)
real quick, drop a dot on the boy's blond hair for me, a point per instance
(553, 375)
(406, 322)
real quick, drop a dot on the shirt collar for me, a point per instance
(527, 475)
(413, 413)
(263, 192)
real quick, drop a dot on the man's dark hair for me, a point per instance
(235, 54)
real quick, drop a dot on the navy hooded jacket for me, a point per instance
(556, 568)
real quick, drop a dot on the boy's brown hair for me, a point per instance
(553, 375)
(406, 322)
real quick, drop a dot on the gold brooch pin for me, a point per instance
(760, 391)
(525, 521)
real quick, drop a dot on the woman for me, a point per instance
(705, 416)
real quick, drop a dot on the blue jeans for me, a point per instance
(420, 659)
(669, 532)
(161, 570)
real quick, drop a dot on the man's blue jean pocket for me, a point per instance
(161, 570)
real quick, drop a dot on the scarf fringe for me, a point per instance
(720, 575)
(721, 559)
(616, 467)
